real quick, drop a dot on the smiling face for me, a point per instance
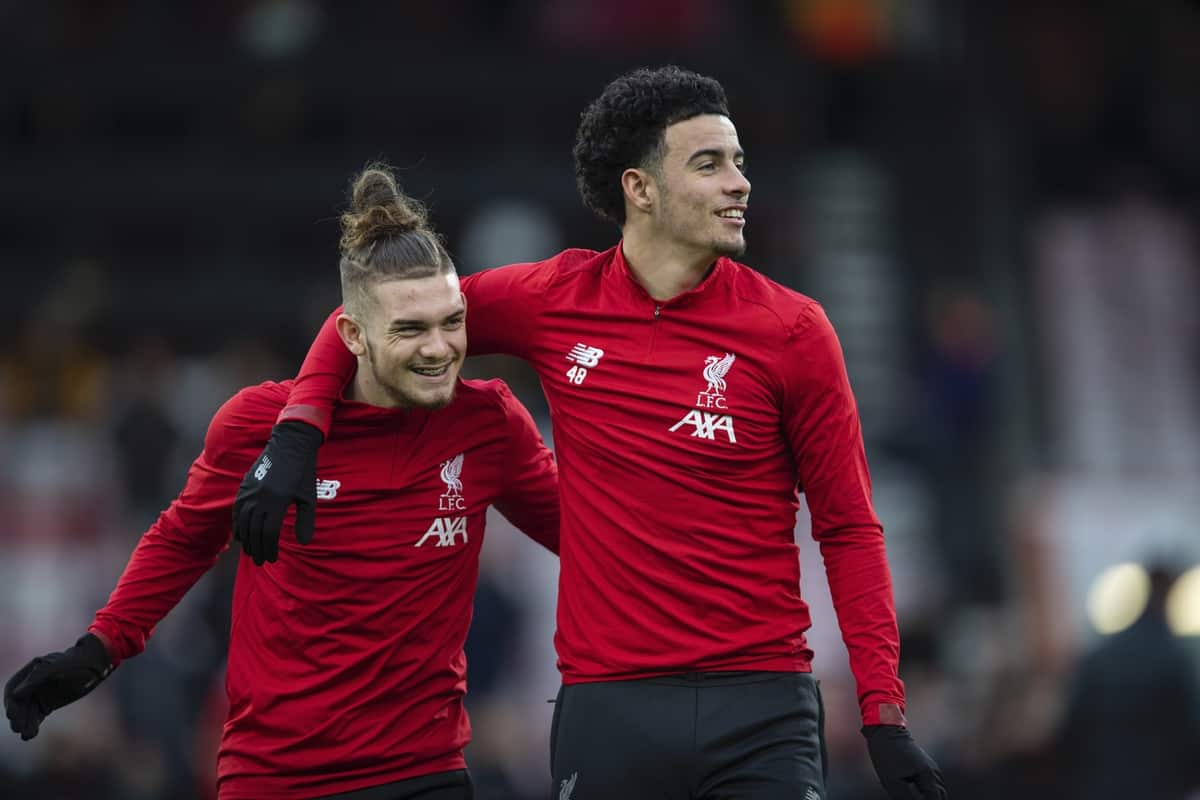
(410, 342)
(701, 186)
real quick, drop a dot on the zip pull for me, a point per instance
(657, 311)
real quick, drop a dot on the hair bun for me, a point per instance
(378, 209)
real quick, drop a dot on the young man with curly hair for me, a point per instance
(691, 399)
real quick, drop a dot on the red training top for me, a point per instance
(346, 666)
(683, 429)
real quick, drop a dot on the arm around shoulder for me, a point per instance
(503, 305)
(326, 370)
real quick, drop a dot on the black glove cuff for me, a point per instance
(878, 734)
(95, 655)
(296, 436)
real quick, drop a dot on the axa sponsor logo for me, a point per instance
(446, 531)
(707, 424)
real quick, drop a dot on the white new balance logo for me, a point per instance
(812, 794)
(327, 490)
(568, 787)
(446, 529)
(706, 425)
(263, 468)
(585, 356)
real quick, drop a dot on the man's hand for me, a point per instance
(52, 681)
(284, 473)
(905, 770)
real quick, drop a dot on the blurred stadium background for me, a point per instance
(995, 201)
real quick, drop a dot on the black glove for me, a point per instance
(905, 770)
(284, 473)
(52, 681)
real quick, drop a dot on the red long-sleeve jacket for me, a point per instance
(346, 666)
(683, 430)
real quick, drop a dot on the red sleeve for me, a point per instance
(822, 424)
(503, 306)
(188, 537)
(326, 370)
(530, 496)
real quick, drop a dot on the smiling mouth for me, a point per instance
(432, 372)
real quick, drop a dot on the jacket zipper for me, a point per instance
(653, 329)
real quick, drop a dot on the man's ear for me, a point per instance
(640, 189)
(352, 334)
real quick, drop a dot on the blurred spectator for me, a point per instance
(960, 384)
(1132, 724)
(144, 435)
(276, 29)
(628, 24)
(496, 626)
(840, 31)
(56, 370)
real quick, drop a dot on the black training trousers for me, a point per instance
(701, 736)
(454, 785)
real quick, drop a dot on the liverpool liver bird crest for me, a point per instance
(450, 471)
(715, 370)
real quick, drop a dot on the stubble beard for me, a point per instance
(730, 249)
(719, 246)
(401, 398)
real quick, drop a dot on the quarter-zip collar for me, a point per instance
(619, 274)
(359, 414)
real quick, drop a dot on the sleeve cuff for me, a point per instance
(113, 656)
(311, 415)
(887, 712)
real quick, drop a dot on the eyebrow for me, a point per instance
(420, 323)
(714, 152)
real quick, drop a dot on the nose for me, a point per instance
(739, 184)
(436, 345)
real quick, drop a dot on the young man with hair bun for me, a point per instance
(346, 672)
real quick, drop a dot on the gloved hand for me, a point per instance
(905, 770)
(52, 681)
(284, 473)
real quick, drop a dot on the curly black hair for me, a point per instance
(624, 128)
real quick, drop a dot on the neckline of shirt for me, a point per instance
(621, 266)
(357, 411)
